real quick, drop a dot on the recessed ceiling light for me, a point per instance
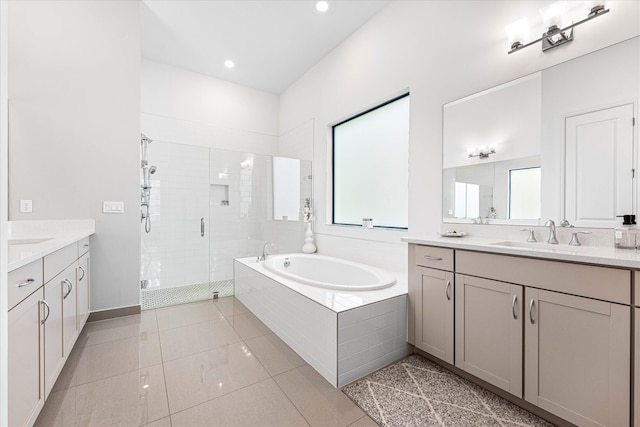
(229, 63)
(322, 6)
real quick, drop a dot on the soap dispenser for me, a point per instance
(627, 234)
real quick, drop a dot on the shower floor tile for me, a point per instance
(165, 297)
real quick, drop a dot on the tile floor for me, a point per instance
(200, 364)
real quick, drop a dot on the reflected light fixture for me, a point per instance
(481, 152)
(322, 6)
(557, 31)
(229, 63)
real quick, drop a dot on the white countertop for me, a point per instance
(58, 234)
(599, 255)
(335, 300)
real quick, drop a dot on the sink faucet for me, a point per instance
(264, 251)
(552, 232)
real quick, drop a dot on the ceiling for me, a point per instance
(271, 42)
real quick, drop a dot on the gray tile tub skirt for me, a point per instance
(417, 392)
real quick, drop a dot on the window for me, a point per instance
(370, 166)
(524, 193)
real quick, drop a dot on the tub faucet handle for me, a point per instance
(532, 235)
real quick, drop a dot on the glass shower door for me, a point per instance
(175, 252)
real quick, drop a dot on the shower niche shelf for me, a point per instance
(219, 195)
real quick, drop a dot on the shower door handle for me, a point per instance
(202, 227)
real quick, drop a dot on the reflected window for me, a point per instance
(286, 189)
(370, 166)
(524, 193)
(467, 200)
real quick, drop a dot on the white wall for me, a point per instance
(441, 51)
(4, 187)
(74, 99)
(189, 108)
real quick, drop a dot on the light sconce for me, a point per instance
(482, 152)
(556, 32)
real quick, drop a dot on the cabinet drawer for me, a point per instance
(83, 246)
(432, 257)
(23, 281)
(59, 260)
(603, 283)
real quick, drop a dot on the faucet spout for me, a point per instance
(264, 250)
(552, 232)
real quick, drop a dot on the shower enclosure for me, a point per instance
(208, 206)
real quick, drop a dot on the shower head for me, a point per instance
(152, 170)
(145, 139)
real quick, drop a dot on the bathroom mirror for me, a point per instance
(555, 144)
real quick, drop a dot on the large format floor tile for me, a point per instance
(230, 306)
(187, 314)
(116, 329)
(261, 404)
(318, 401)
(132, 399)
(204, 376)
(248, 326)
(196, 338)
(276, 356)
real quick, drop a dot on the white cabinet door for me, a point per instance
(636, 382)
(26, 390)
(578, 358)
(69, 309)
(53, 344)
(598, 167)
(83, 290)
(489, 331)
(434, 314)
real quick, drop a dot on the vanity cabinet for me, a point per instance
(434, 295)
(26, 348)
(555, 334)
(49, 304)
(489, 331)
(577, 353)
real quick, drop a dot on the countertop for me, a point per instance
(58, 234)
(598, 255)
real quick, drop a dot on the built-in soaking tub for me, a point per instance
(345, 319)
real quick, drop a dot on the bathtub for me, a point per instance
(344, 319)
(328, 272)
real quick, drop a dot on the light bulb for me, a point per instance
(516, 32)
(553, 14)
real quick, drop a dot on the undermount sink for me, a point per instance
(32, 241)
(544, 247)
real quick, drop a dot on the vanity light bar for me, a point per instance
(483, 154)
(547, 38)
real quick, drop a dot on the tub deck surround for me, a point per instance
(595, 255)
(344, 335)
(54, 235)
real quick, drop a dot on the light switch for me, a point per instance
(26, 206)
(113, 207)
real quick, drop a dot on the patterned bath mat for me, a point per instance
(417, 392)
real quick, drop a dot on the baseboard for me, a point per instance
(114, 312)
(554, 419)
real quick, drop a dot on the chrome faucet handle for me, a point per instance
(532, 235)
(574, 238)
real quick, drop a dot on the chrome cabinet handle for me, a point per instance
(201, 227)
(48, 311)
(513, 306)
(27, 282)
(447, 290)
(69, 287)
(81, 269)
(531, 312)
(433, 258)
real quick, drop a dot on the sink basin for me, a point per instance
(32, 241)
(543, 247)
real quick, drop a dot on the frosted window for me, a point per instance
(524, 193)
(370, 167)
(286, 189)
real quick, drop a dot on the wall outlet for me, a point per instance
(113, 207)
(26, 206)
